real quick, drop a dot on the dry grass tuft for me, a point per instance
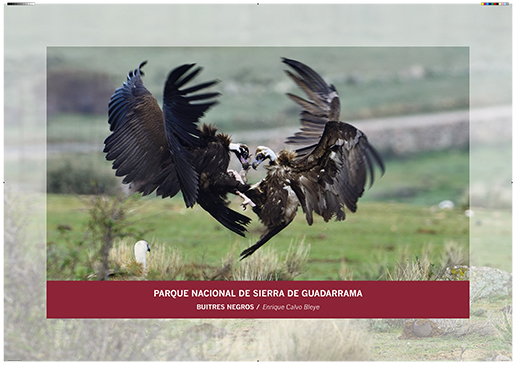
(262, 265)
(162, 261)
(297, 256)
(345, 273)
(417, 268)
(166, 263)
(424, 266)
(265, 264)
(454, 255)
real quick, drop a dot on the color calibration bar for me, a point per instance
(494, 3)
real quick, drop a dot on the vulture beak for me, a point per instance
(246, 164)
(242, 152)
(263, 153)
(258, 160)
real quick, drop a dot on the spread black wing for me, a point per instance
(148, 146)
(334, 174)
(182, 112)
(337, 159)
(324, 106)
(138, 145)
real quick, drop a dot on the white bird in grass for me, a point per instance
(140, 252)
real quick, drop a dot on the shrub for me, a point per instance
(108, 221)
(77, 176)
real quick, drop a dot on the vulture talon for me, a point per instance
(237, 176)
(246, 201)
(243, 174)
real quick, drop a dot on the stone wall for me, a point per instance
(415, 133)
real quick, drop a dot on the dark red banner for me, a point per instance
(257, 299)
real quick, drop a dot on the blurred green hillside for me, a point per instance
(372, 81)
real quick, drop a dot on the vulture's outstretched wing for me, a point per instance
(148, 145)
(323, 107)
(138, 145)
(182, 112)
(335, 173)
(337, 158)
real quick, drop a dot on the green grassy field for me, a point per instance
(397, 219)
(377, 236)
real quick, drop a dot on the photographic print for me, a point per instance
(149, 191)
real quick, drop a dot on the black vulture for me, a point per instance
(165, 151)
(328, 170)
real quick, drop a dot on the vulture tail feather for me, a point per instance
(263, 240)
(226, 216)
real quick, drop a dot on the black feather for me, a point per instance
(263, 240)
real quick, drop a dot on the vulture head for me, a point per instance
(263, 153)
(242, 152)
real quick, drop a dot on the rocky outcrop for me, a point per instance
(420, 328)
(484, 281)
